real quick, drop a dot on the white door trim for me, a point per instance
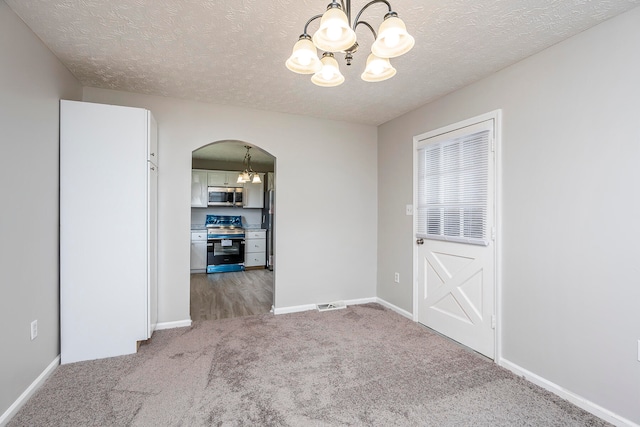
(496, 116)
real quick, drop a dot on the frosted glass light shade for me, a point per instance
(256, 179)
(243, 177)
(393, 39)
(330, 74)
(304, 58)
(334, 34)
(377, 69)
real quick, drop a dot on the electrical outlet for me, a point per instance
(34, 329)
(396, 277)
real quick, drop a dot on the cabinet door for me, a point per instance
(199, 255)
(223, 179)
(255, 259)
(255, 249)
(152, 149)
(152, 262)
(256, 245)
(253, 196)
(199, 193)
(256, 234)
(103, 147)
(218, 178)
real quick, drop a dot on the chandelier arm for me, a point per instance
(368, 25)
(313, 18)
(355, 23)
(347, 10)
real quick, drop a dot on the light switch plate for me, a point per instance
(34, 329)
(409, 209)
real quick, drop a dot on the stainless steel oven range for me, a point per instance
(225, 243)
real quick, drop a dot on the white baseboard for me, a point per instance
(35, 385)
(577, 400)
(361, 301)
(171, 325)
(307, 307)
(395, 308)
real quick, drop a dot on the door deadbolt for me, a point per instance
(420, 241)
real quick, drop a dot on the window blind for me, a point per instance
(452, 189)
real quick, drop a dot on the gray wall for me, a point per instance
(571, 203)
(32, 81)
(571, 151)
(326, 197)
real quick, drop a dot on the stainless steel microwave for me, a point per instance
(225, 196)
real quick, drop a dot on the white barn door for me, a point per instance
(455, 233)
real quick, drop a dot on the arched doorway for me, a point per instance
(232, 290)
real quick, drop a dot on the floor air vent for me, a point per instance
(331, 306)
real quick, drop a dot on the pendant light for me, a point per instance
(393, 39)
(248, 175)
(378, 69)
(334, 34)
(304, 58)
(329, 75)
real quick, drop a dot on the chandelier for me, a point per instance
(337, 34)
(248, 175)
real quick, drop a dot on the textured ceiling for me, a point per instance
(233, 51)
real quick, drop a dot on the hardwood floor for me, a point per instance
(233, 294)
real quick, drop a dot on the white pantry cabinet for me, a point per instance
(108, 229)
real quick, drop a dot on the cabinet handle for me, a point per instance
(153, 168)
(153, 154)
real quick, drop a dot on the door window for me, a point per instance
(453, 187)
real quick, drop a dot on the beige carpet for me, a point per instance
(364, 365)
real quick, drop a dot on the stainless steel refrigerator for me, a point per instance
(268, 213)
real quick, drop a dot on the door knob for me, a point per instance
(420, 241)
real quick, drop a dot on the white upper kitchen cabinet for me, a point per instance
(108, 229)
(199, 193)
(223, 179)
(253, 196)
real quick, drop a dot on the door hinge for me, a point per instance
(493, 321)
